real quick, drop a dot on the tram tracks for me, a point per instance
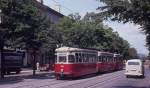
(102, 82)
(86, 83)
(81, 83)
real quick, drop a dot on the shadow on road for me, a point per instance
(91, 75)
(17, 79)
(136, 77)
(10, 80)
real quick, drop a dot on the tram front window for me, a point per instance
(55, 58)
(71, 58)
(62, 58)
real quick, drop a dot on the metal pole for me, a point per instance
(1, 49)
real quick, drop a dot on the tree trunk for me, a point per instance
(34, 63)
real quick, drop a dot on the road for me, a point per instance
(108, 80)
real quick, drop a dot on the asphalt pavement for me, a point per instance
(115, 79)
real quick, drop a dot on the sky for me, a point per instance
(130, 32)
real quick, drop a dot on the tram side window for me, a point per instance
(108, 58)
(91, 58)
(105, 59)
(87, 58)
(71, 58)
(118, 58)
(80, 58)
(77, 57)
(115, 59)
(100, 58)
(83, 59)
(62, 58)
(95, 58)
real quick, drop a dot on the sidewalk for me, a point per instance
(27, 74)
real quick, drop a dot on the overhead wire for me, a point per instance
(64, 6)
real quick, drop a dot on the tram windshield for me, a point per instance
(62, 58)
(71, 58)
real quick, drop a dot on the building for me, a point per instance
(51, 14)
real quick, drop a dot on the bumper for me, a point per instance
(134, 74)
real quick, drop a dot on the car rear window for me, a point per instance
(133, 63)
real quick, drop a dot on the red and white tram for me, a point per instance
(105, 62)
(75, 62)
(119, 61)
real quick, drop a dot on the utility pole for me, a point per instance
(1, 49)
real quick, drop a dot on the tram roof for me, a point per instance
(117, 55)
(68, 49)
(104, 53)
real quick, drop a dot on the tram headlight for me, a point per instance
(62, 70)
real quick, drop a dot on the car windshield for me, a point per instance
(133, 63)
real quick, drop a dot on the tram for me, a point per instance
(76, 62)
(105, 62)
(118, 61)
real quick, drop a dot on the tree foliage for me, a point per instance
(136, 11)
(90, 32)
(23, 26)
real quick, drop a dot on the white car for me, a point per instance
(134, 67)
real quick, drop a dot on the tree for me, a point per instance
(133, 53)
(136, 11)
(24, 25)
(90, 32)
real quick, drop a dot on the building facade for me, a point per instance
(54, 17)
